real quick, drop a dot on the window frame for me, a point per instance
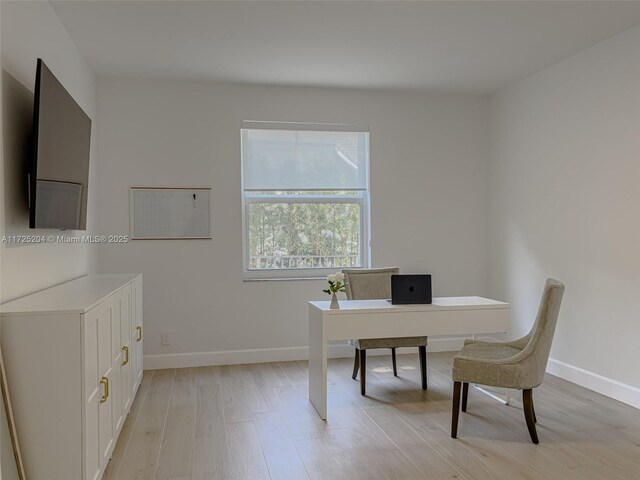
(361, 198)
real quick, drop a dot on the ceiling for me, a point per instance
(458, 47)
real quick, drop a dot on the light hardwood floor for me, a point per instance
(255, 421)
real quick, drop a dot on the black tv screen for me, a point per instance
(59, 173)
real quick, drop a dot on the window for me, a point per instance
(305, 199)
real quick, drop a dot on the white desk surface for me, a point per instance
(75, 296)
(382, 306)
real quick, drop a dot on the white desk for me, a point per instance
(380, 319)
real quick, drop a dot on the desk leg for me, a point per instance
(317, 363)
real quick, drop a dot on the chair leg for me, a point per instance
(423, 365)
(356, 364)
(527, 402)
(393, 360)
(363, 371)
(465, 395)
(455, 411)
(535, 419)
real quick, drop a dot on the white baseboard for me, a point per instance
(606, 386)
(263, 355)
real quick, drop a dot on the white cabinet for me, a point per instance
(73, 355)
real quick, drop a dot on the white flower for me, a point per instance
(331, 277)
(340, 276)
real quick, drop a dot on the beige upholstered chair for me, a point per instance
(519, 364)
(370, 285)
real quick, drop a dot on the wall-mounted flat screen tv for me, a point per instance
(59, 172)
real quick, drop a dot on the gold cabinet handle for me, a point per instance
(139, 330)
(125, 349)
(105, 381)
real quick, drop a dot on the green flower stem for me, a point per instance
(335, 287)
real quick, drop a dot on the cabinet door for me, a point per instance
(92, 393)
(137, 335)
(99, 382)
(126, 306)
(117, 356)
(105, 361)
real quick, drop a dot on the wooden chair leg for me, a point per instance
(356, 364)
(455, 410)
(535, 419)
(393, 360)
(363, 371)
(423, 365)
(465, 395)
(527, 402)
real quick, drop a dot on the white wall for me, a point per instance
(31, 30)
(565, 202)
(428, 202)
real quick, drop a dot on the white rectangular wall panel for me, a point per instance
(170, 213)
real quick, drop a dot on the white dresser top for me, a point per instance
(75, 296)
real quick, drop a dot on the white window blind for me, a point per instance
(275, 159)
